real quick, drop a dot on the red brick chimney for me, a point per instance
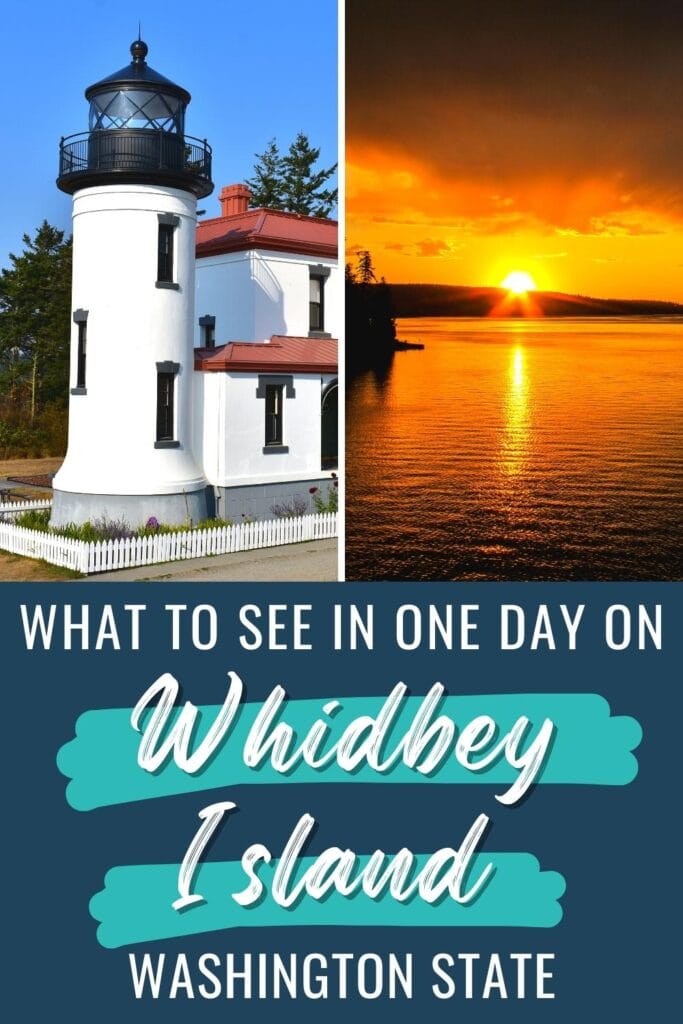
(234, 199)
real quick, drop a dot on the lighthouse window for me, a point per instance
(207, 327)
(165, 265)
(315, 306)
(80, 318)
(166, 376)
(274, 414)
(82, 339)
(316, 300)
(165, 389)
(274, 389)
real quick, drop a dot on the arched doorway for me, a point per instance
(329, 429)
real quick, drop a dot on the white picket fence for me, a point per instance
(13, 508)
(104, 556)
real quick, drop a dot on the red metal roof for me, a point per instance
(282, 353)
(267, 229)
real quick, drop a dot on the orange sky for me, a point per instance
(588, 237)
(480, 142)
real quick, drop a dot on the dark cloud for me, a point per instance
(521, 89)
(427, 247)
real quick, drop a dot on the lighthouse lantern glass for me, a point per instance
(137, 108)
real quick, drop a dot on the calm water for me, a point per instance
(519, 450)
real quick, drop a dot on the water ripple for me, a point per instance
(508, 450)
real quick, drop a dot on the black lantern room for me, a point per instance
(137, 134)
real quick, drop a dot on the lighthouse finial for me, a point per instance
(139, 49)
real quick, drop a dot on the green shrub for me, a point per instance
(34, 519)
(328, 502)
(104, 529)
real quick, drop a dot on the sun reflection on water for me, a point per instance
(516, 438)
(520, 449)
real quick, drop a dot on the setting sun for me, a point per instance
(519, 282)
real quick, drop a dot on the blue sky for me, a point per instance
(255, 71)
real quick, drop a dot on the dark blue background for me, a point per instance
(617, 847)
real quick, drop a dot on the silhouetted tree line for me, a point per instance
(419, 300)
(370, 324)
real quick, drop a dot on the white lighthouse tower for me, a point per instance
(135, 178)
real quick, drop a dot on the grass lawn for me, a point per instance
(28, 467)
(14, 568)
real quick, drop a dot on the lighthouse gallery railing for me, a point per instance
(131, 149)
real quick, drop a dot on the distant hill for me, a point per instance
(411, 300)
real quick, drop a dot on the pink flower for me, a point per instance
(312, 490)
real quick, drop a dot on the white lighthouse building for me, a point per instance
(177, 414)
(135, 178)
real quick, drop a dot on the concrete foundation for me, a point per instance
(134, 509)
(258, 501)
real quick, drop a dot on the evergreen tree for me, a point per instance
(266, 186)
(302, 184)
(35, 323)
(370, 323)
(290, 182)
(365, 272)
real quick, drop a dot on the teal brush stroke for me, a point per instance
(135, 905)
(589, 748)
